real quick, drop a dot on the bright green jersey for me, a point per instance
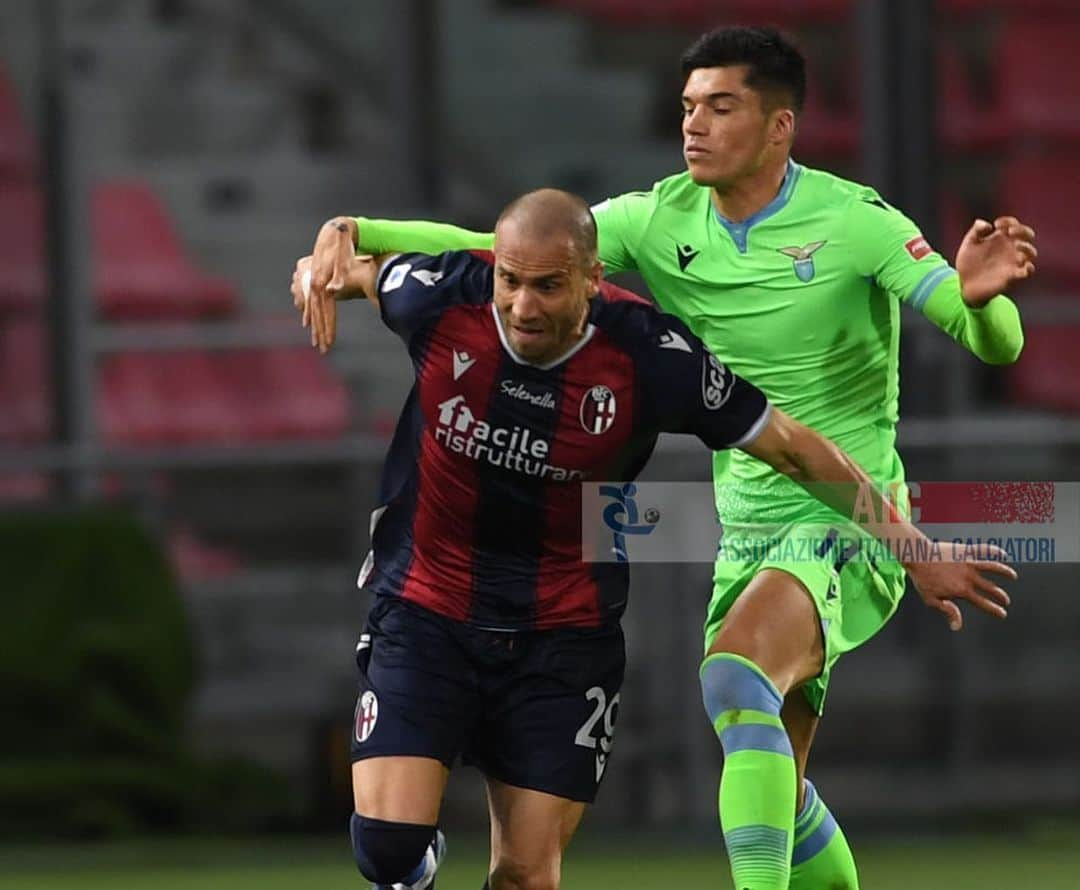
(803, 298)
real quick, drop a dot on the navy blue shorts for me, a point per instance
(534, 709)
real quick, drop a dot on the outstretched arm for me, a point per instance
(354, 278)
(967, 301)
(380, 236)
(972, 308)
(831, 476)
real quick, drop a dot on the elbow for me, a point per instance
(1006, 355)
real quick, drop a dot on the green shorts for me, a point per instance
(854, 597)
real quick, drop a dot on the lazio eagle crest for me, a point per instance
(802, 258)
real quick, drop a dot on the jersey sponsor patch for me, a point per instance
(396, 277)
(367, 715)
(597, 411)
(717, 383)
(918, 248)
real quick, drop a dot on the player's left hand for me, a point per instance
(961, 574)
(993, 256)
(330, 259)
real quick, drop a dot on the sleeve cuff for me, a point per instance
(755, 428)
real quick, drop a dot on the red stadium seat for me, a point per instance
(18, 153)
(826, 132)
(1039, 76)
(22, 285)
(1045, 192)
(966, 121)
(166, 398)
(22, 487)
(956, 219)
(287, 394)
(311, 400)
(707, 13)
(195, 560)
(220, 397)
(1048, 368)
(972, 8)
(25, 413)
(775, 12)
(142, 271)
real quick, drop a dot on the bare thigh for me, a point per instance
(529, 831)
(399, 789)
(775, 624)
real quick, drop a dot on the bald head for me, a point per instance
(549, 214)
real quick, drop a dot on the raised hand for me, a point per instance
(961, 574)
(993, 256)
(330, 259)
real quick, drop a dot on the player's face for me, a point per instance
(727, 133)
(542, 292)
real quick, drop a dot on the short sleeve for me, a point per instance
(889, 247)
(620, 225)
(693, 392)
(415, 289)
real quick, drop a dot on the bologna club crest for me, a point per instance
(367, 714)
(597, 410)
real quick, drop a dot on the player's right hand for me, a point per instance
(962, 574)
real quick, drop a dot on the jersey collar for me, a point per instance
(740, 230)
(572, 351)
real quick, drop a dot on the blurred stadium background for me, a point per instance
(184, 485)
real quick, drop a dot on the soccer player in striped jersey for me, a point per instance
(490, 637)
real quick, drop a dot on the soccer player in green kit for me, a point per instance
(792, 277)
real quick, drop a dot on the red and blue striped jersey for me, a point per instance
(480, 500)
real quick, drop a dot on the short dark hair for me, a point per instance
(775, 65)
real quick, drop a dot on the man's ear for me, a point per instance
(596, 275)
(782, 128)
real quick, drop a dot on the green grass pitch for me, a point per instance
(1048, 861)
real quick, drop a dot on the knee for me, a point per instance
(731, 685)
(389, 852)
(513, 873)
(730, 682)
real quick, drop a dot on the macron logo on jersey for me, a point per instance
(462, 362)
(685, 254)
(427, 278)
(674, 340)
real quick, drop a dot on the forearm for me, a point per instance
(383, 236)
(993, 333)
(828, 473)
